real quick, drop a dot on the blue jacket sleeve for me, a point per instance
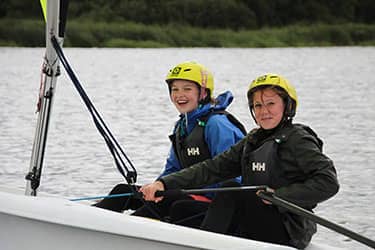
(172, 164)
(221, 134)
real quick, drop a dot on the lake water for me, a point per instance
(336, 94)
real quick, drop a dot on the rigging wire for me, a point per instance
(114, 147)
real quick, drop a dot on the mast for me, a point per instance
(55, 15)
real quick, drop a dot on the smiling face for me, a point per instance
(184, 95)
(268, 108)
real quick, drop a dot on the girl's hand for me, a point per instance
(270, 190)
(149, 190)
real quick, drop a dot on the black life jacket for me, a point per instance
(261, 164)
(193, 148)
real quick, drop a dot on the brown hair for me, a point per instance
(281, 92)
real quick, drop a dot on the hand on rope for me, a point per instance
(150, 191)
(268, 190)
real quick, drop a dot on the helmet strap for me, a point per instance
(290, 109)
(253, 115)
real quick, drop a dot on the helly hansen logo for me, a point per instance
(259, 166)
(193, 151)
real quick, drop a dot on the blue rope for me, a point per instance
(102, 197)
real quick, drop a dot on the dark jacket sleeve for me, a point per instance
(224, 166)
(315, 178)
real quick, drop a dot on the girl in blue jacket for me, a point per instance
(204, 129)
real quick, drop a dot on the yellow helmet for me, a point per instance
(275, 80)
(194, 72)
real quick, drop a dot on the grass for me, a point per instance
(84, 33)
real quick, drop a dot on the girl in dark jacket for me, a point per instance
(286, 157)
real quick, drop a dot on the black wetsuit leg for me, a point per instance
(161, 209)
(119, 204)
(244, 214)
(223, 213)
(189, 213)
(263, 222)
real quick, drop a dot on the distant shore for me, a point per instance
(81, 33)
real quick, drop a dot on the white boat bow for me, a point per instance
(54, 223)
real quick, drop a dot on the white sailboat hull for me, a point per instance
(51, 223)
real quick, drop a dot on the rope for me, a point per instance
(114, 147)
(101, 197)
(118, 154)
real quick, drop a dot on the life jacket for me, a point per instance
(193, 148)
(261, 164)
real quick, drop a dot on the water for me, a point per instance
(336, 98)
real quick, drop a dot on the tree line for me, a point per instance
(216, 14)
